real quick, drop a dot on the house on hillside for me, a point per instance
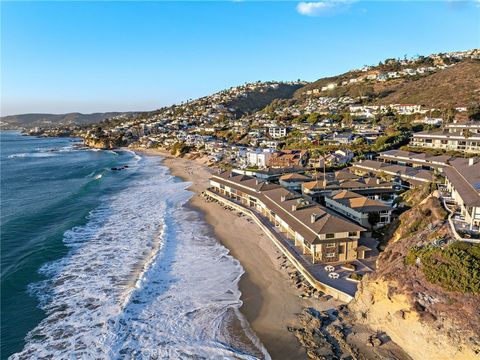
(289, 158)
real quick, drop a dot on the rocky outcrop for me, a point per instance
(426, 320)
(398, 311)
(393, 313)
(104, 143)
(334, 335)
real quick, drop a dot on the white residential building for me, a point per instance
(277, 132)
(259, 157)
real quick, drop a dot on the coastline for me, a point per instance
(271, 303)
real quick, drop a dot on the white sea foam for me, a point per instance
(143, 279)
(32, 155)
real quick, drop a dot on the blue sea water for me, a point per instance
(98, 263)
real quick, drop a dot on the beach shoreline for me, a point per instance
(271, 303)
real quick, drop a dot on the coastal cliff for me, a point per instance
(424, 293)
(421, 302)
(397, 315)
(103, 143)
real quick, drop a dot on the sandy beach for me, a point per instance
(270, 301)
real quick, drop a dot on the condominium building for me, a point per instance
(371, 187)
(403, 176)
(293, 181)
(472, 126)
(364, 211)
(416, 160)
(458, 136)
(318, 231)
(462, 178)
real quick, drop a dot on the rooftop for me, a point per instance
(359, 202)
(307, 218)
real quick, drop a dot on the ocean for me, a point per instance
(109, 264)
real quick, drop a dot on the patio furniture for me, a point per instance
(333, 275)
(329, 268)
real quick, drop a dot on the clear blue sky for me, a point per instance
(116, 56)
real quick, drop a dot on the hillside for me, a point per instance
(456, 86)
(53, 120)
(424, 293)
(258, 99)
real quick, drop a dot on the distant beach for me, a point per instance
(270, 302)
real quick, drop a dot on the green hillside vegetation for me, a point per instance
(257, 100)
(454, 268)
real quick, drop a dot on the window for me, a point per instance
(352, 233)
(330, 255)
(329, 236)
(330, 245)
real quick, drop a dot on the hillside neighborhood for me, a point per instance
(328, 170)
(350, 158)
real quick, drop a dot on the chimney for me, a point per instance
(294, 207)
(471, 161)
(378, 181)
(283, 198)
(257, 181)
(313, 218)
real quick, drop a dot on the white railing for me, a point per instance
(456, 235)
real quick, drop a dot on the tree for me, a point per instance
(373, 218)
(474, 112)
(313, 118)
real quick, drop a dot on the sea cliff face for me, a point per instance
(424, 317)
(395, 315)
(104, 143)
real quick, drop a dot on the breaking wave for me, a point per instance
(143, 279)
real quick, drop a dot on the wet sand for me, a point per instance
(270, 301)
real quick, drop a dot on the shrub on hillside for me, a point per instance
(454, 268)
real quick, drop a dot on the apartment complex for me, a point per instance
(371, 187)
(416, 160)
(293, 181)
(364, 211)
(458, 136)
(402, 175)
(462, 179)
(318, 231)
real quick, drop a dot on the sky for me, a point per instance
(59, 57)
